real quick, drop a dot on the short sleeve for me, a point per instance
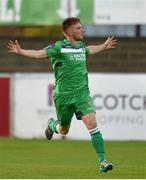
(87, 50)
(53, 49)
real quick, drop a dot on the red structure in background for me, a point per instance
(4, 106)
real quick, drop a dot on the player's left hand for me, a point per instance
(110, 42)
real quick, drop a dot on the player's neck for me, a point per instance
(72, 40)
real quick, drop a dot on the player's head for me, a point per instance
(72, 28)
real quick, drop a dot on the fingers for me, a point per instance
(16, 42)
(13, 43)
(112, 38)
(10, 46)
(10, 43)
(13, 46)
(113, 42)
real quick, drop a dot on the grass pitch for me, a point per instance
(64, 159)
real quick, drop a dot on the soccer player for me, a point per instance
(71, 92)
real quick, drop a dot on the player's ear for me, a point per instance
(69, 31)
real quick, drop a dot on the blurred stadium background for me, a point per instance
(117, 77)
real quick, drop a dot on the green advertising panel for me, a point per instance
(44, 12)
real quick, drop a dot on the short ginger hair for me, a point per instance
(68, 22)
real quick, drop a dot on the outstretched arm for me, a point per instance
(14, 47)
(108, 44)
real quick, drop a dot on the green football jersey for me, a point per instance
(69, 64)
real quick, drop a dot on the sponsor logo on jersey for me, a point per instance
(72, 50)
(75, 54)
(77, 57)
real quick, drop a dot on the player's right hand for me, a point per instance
(14, 47)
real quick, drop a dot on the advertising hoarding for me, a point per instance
(120, 101)
(52, 12)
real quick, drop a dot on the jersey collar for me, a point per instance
(77, 45)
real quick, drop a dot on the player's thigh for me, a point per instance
(64, 110)
(84, 104)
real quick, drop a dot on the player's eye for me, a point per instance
(79, 28)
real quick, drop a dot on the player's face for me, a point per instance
(77, 31)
